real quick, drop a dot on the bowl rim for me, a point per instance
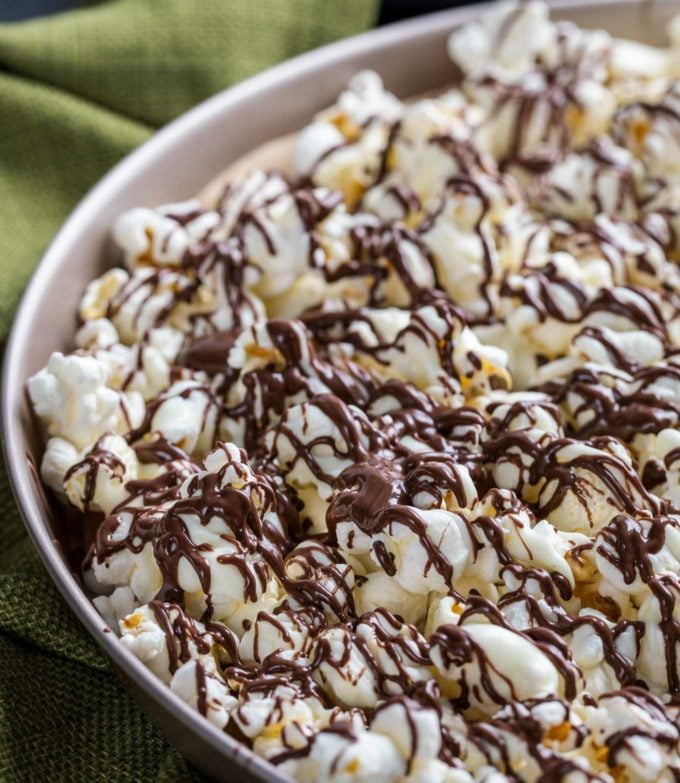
(154, 149)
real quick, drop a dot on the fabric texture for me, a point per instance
(77, 92)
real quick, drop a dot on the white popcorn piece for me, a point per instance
(143, 632)
(186, 414)
(60, 455)
(162, 236)
(98, 482)
(73, 400)
(343, 147)
(379, 590)
(96, 334)
(494, 665)
(273, 633)
(522, 30)
(337, 757)
(198, 684)
(426, 550)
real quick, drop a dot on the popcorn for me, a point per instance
(145, 299)
(277, 238)
(100, 293)
(660, 613)
(340, 755)
(418, 745)
(479, 231)
(523, 32)
(347, 661)
(98, 482)
(277, 366)
(146, 368)
(601, 179)
(424, 550)
(144, 632)
(59, 457)
(215, 568)
(204, 294)
(635, 734)
(650, 133)
(378, 589)
(556, 117)
(381, 461)
(315, 571)
(272, 633)
(540, 311)
(429, 147)
(200, 685)
(490, 665)
(338, 435)
(115, 607)
(430, 347)
(281, 714)
(96, 334)
(186, 414)
(343, 148)
(344, 669)
(624, 532)
(73, 401)
(161, 236)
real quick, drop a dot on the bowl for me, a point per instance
(173, 166)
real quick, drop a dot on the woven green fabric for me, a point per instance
(78, 91)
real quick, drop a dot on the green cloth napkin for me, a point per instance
(77, 92)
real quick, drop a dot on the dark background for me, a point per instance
(391, 10)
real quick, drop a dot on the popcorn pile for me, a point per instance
(384, 458)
